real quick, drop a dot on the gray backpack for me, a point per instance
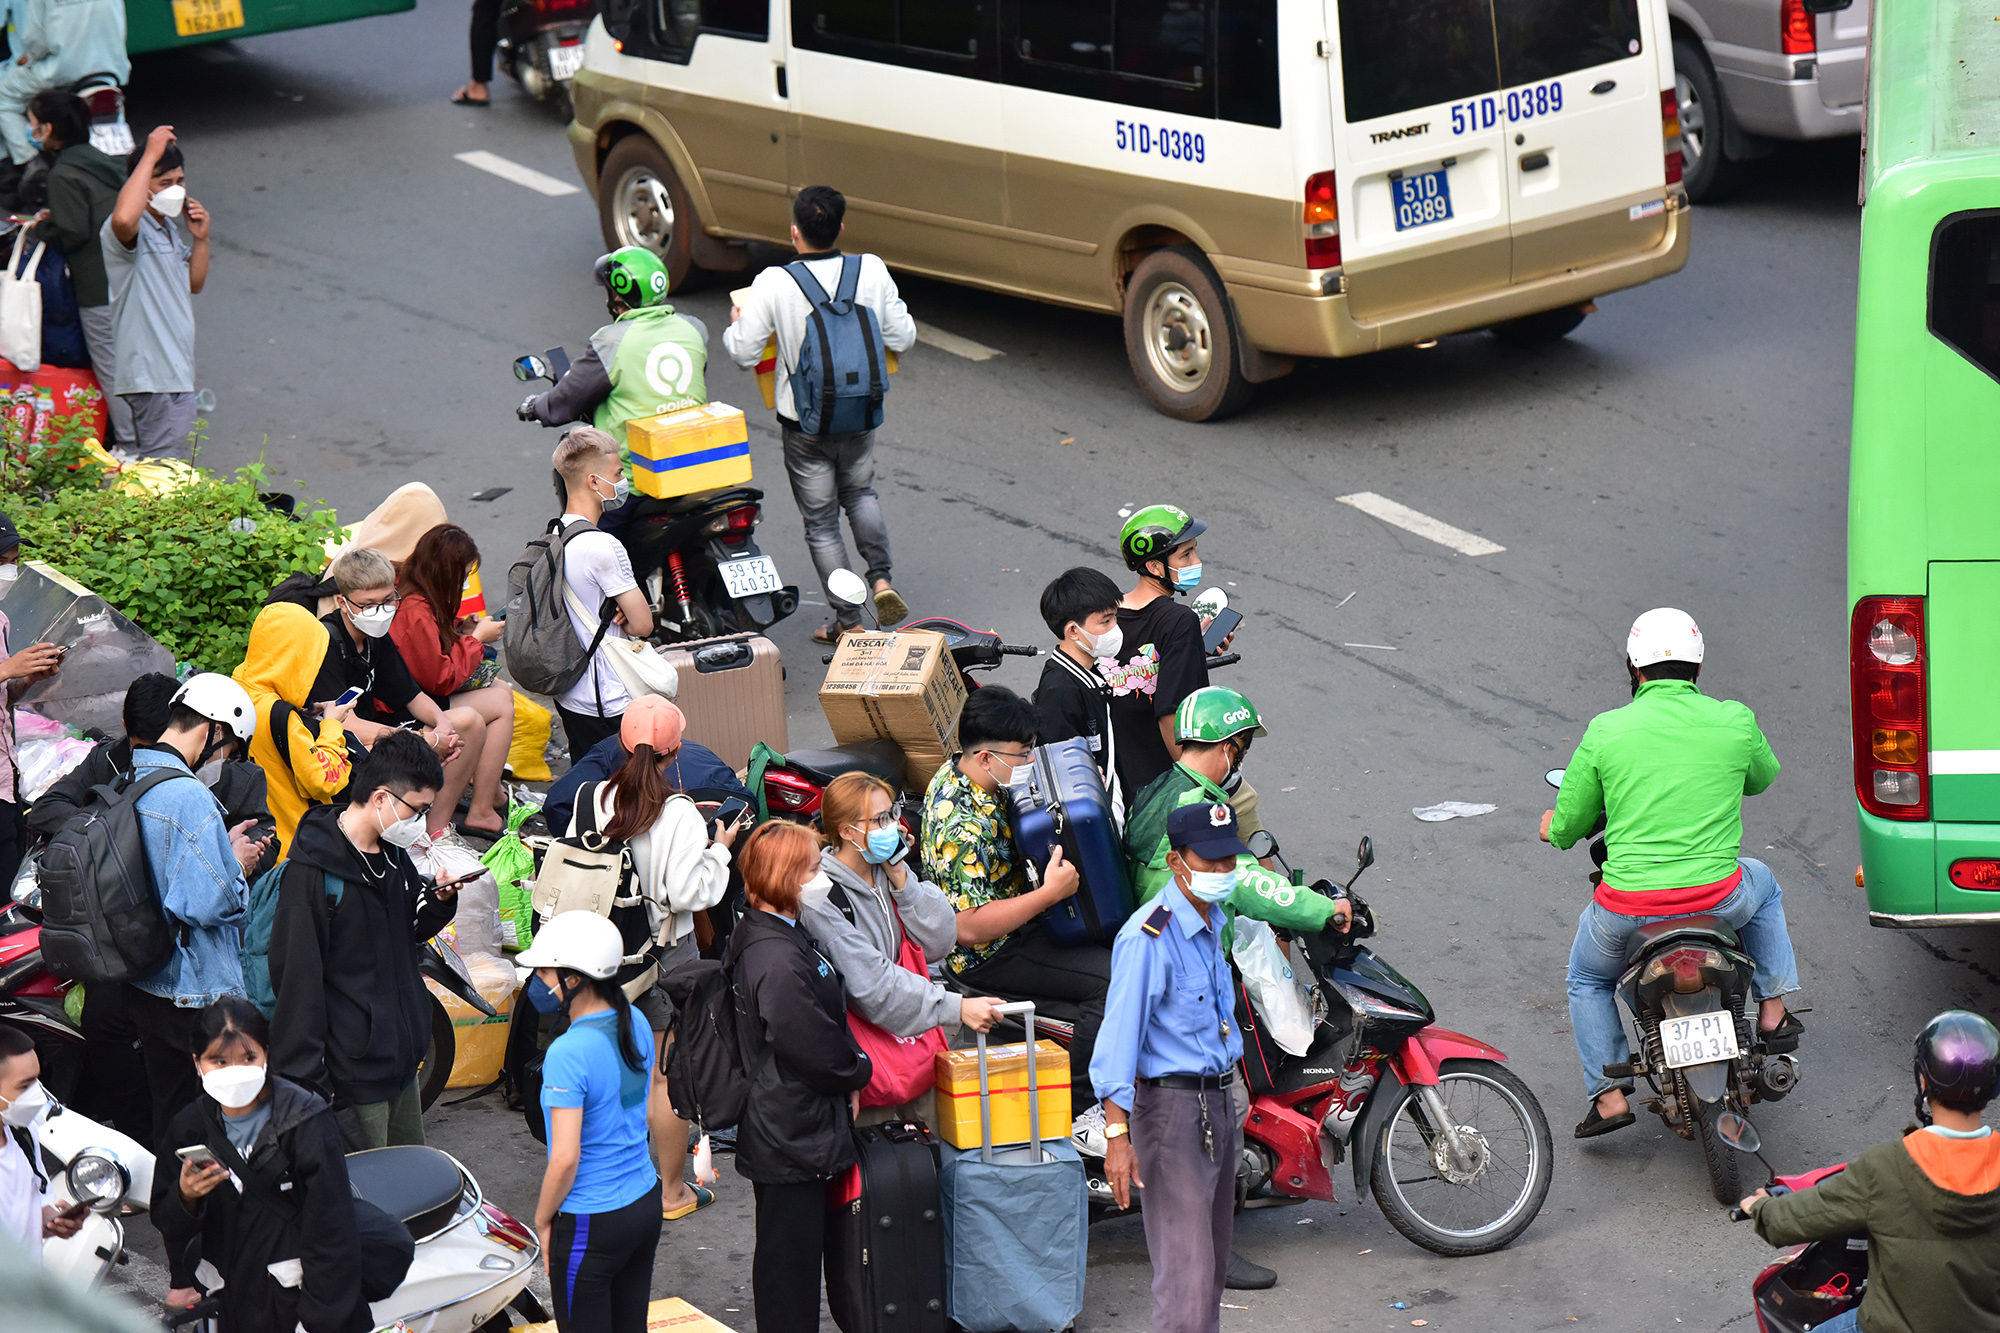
(543, 654)
(101, 916)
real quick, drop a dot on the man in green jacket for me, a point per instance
(1928, 1203)
(1669, 772)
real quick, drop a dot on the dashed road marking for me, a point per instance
(1431, 529)
(931, 336)
(515, 172)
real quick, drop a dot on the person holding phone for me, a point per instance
(1073, 699)
(866, 907)
(36, 662)
(28, 1212)
(251, 1177)
(679, 871)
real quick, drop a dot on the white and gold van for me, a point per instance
(1246, 181)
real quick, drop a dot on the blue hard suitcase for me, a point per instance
(1065, 802)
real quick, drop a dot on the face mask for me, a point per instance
(209, 773)
(1187, 580)
(815, 890)
(403, 833)
(620, 489)
(541, 997)
(1106, 644)
(374, 621)
(8, 573)
(168, 202)
(234, 1086)
(1008, 775)
(1212, 886)
(27, 1108)
(882, 844)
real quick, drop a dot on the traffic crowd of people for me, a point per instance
(366, 707)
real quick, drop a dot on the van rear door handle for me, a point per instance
(1534, 161)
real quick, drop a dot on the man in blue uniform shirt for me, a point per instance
(1163, 1069)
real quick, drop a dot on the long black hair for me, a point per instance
(609, 991)
(228, 1021)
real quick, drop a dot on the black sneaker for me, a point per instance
(1246, 1276)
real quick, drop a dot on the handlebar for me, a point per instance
(1224, 659)
(1016, 650)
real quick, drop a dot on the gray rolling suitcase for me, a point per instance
(1015, 1221)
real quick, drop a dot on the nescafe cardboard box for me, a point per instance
(900, 687)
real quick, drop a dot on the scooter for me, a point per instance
(696, 556)
(102, 1169)
(1806, 1285)
(1686, 985)
(541, 46)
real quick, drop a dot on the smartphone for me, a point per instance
(1225, 623)
(462, 879)
(732, 810)
(62, 651)
(349, 696)
(198, 1153)
(902, 850)
(74, 1213)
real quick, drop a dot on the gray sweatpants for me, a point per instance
(162, 424)
(1190, 1208)
(98, 335)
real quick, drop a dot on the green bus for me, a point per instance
(160, 25)
(1923, 534)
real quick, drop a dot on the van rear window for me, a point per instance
(1540, 39)
(1965, 287)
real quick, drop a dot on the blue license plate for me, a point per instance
(1421, 198)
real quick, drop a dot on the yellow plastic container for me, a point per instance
(1007, 1072)
(695, 449)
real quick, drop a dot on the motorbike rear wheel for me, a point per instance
(435, 1071)
(524, 1305)
(1477, 1207)
(1725, 1170)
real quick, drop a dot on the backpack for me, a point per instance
(256, 952)
(838, 377)
(101, 916)
(706, 1079)
(588, 872)
(543, 655)
(302, 589)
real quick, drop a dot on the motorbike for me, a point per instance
(695, 555)
(1687, 986)
(1806, 1285)
(541, 46)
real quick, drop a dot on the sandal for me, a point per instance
(1597, 1123)
(460, 99)
(1784, 1038)
(831, 635)
(703, 1197)
(890, 608)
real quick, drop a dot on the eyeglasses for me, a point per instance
(418, 811)
(887, 819)
(391, 600)
(1017, 758)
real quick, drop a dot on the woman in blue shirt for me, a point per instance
(599, 1213)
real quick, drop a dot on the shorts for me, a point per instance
(654, 1005)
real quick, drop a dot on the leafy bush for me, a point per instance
(60, 461)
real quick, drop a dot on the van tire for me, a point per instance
(1534, 330)
(1706, 167)
(633, 167)
(1181, 337)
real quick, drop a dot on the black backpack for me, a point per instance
(706, 1079)
(101, 916)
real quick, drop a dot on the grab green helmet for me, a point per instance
(634, 275)
(1156, 532)
(1215, 713)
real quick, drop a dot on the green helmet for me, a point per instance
(1215, 713)
(634, 275)
(1156, 532)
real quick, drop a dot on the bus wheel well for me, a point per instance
(1135, 245)
(609, 135)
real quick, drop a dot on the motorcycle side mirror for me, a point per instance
(1210, 603)
(1554, 777)
(1364, 854)
(845, 588)
(1261, 844)
(531, 368)
(1737, 1132)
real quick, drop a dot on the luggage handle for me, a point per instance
(1026, 1008)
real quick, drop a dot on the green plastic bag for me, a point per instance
(513, 867)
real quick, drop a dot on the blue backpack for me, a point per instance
(256, 951)
(839, 375)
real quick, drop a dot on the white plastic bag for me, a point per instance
(1276, 993)
(475, 928)
(21, 308)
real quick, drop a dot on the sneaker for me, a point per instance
(890, 609)
(1087, 1132)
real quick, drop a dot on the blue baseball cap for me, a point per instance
(1206, 830)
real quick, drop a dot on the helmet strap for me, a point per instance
(215, 743)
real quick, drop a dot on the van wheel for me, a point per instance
(640, 201)
(1534, 330)
(1706, 170)
(1181, 337)
(435, 1071)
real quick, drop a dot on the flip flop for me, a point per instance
(829, 635)
(1595, 1124)
(890, 608)
(1784, 1038)
(703, 1197)
(460, 99)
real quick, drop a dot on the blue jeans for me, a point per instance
(1841, 1323)
(828, 474)
(1755, 910)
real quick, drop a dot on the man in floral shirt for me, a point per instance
(1004, 947)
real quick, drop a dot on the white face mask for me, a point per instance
(234, 1086)
(26, 1109)
(8, 573)
(815, 890)
(168, 202)
(374, 621)
(1212, 886)
(1004, 771)
(620, 489)
(404, 832)
(1106, 644)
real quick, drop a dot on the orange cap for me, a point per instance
(652, 720)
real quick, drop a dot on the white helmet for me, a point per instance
(1664, 635)
(579, 941)
(219, 699)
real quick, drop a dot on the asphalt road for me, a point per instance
(1687, 446)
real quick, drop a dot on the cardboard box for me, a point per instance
(701, 448)
(900, 687)
(672, 1315)
(1007, 1073)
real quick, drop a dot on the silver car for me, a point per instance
(1748, 72)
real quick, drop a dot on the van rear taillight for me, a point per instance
(1670, 133)
(1322, 222)
(1891, 715)
(1796, 36)
(1983, 873)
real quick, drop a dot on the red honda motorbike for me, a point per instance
(1806, 1285)
(31, 999)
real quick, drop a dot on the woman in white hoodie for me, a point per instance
(679, 871)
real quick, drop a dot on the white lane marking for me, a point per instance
(957, 346)
(1964, 762)
(1431, 529)
(1383, 646)
(515, 172)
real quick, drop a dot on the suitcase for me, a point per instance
(1015, 1223)
(733, 692)
(1065, 802)
(885, 1247)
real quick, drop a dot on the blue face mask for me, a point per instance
(544, 1000)
(882, 844)
(1187, 580)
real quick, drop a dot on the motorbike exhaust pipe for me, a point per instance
(1777, 1076)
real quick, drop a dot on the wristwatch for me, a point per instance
(1116, 1131)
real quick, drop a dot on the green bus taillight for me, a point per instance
(1886, 671)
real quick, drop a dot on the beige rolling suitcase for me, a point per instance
(733, 692)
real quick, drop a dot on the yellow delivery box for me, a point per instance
(1007, 1076)
(900, 687)
(700, 448)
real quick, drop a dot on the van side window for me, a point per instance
(1162, 39)
(1965, 287)
(1398, 55)
(948, 36)
(1540, 39)
(1246, 61)
(1157, 54)
(870, 20)
(1066, 32)
(673, 27)
(737, 18)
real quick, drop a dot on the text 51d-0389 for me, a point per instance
(1483, 113)
(1161, 141)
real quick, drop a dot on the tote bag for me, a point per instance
(904, 1066)
(21, 308)
(638, 667)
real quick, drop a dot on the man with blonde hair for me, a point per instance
(603, 596)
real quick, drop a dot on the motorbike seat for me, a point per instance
(1701, 926)
(418, 1186)
(878, 758)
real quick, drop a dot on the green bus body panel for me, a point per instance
(1924, 472)
(149, 24)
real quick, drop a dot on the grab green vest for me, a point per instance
(655, 360)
